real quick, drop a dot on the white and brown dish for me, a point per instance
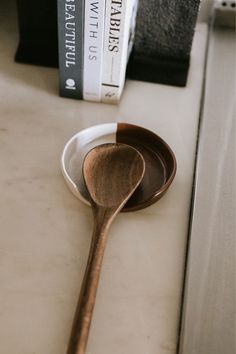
(160, 162)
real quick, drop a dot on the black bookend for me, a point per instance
(37, 21)
(163, 40)
(167, 71)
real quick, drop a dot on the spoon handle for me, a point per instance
(80, 329)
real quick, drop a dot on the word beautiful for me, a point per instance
(115, 23)
(70, 29)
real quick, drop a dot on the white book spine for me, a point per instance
(93, 49)
(119, 25)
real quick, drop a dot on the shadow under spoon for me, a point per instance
(112, 172)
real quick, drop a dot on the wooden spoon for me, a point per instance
(111, 172)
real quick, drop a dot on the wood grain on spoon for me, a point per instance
(111, 172)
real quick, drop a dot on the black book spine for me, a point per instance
(70, 40)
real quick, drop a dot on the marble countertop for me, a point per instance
(45, 231)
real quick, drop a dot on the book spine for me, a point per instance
(70, 42)
(119, 22)
(94, 19)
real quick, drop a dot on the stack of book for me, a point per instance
(95, 41)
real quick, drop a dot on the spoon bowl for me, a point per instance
(112, 172)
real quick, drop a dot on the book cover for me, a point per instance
(70, 41)
(94, 18)
(118, 39)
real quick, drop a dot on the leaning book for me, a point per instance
(120, 17)
(70, 43)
